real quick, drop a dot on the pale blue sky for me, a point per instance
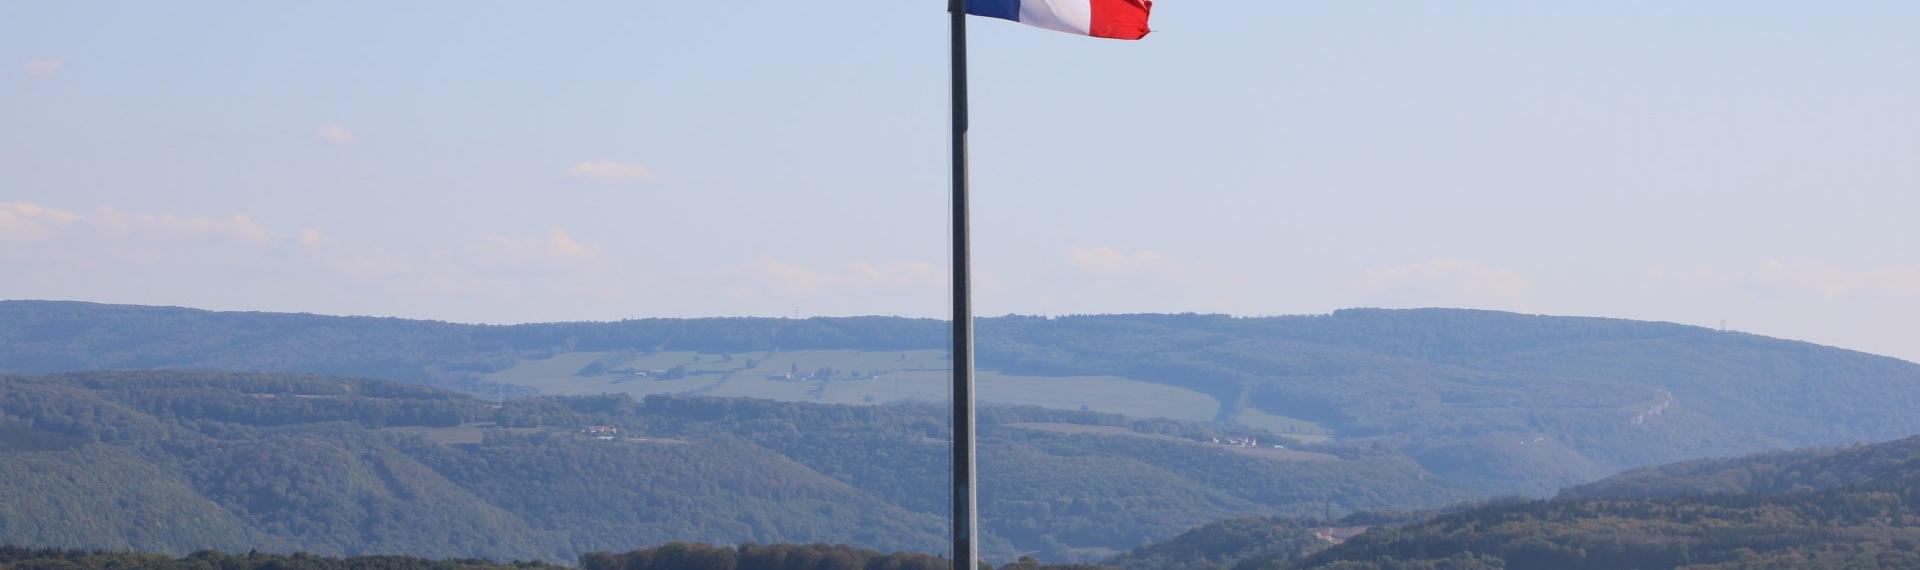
(1757, 162)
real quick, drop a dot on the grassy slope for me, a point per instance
(883, 377)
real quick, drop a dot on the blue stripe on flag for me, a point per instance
(1003, 9)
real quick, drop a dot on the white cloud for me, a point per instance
(234, 262)
(609, 171)
(564, 245)
(26, 220)
(22, 220)
(556, 245)
(115, 255)
(45, 67)
(494, 276)
(121, 224)
(335, 133)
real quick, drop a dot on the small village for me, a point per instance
(602, 433)
(612, 434)
(1243, 441)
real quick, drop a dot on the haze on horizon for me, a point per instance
(1746, 162)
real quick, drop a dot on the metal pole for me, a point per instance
(966, 520)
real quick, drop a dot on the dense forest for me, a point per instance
(19, 558)
(673, 556)
(281, 462)
(1814, 469)
(181, 461)
(1496, 402)
(1226, 543)
(683, 556)
(1857, 507)
(1865, 528)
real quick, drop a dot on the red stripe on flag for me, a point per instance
(1121, 19)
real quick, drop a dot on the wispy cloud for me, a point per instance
(1114, 265)
(335, 133)
(554, 245)
(234, 261)
(141, 225)
(609, 171)
(1835, 281)
(786, 277)
(862, 287)
(563, 244)
(1444, 282)
(22, 220)
(1106, 278)
(45, 67)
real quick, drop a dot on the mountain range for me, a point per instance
(1103, 434)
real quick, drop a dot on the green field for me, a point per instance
(858, 377)
(1266, 451)
(463, 434)
(1300, 429)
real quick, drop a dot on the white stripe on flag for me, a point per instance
(1070, 16)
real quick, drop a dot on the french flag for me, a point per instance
(1116, 19)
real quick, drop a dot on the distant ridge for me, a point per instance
(1501, 403)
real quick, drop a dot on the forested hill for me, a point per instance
(1498, 402)
(56, 336)
(177, 461)
(1228, 543)
(1857, 507)
(21, 558)
(1816, 469)
(676, 556)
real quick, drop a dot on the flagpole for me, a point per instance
(966, 520)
